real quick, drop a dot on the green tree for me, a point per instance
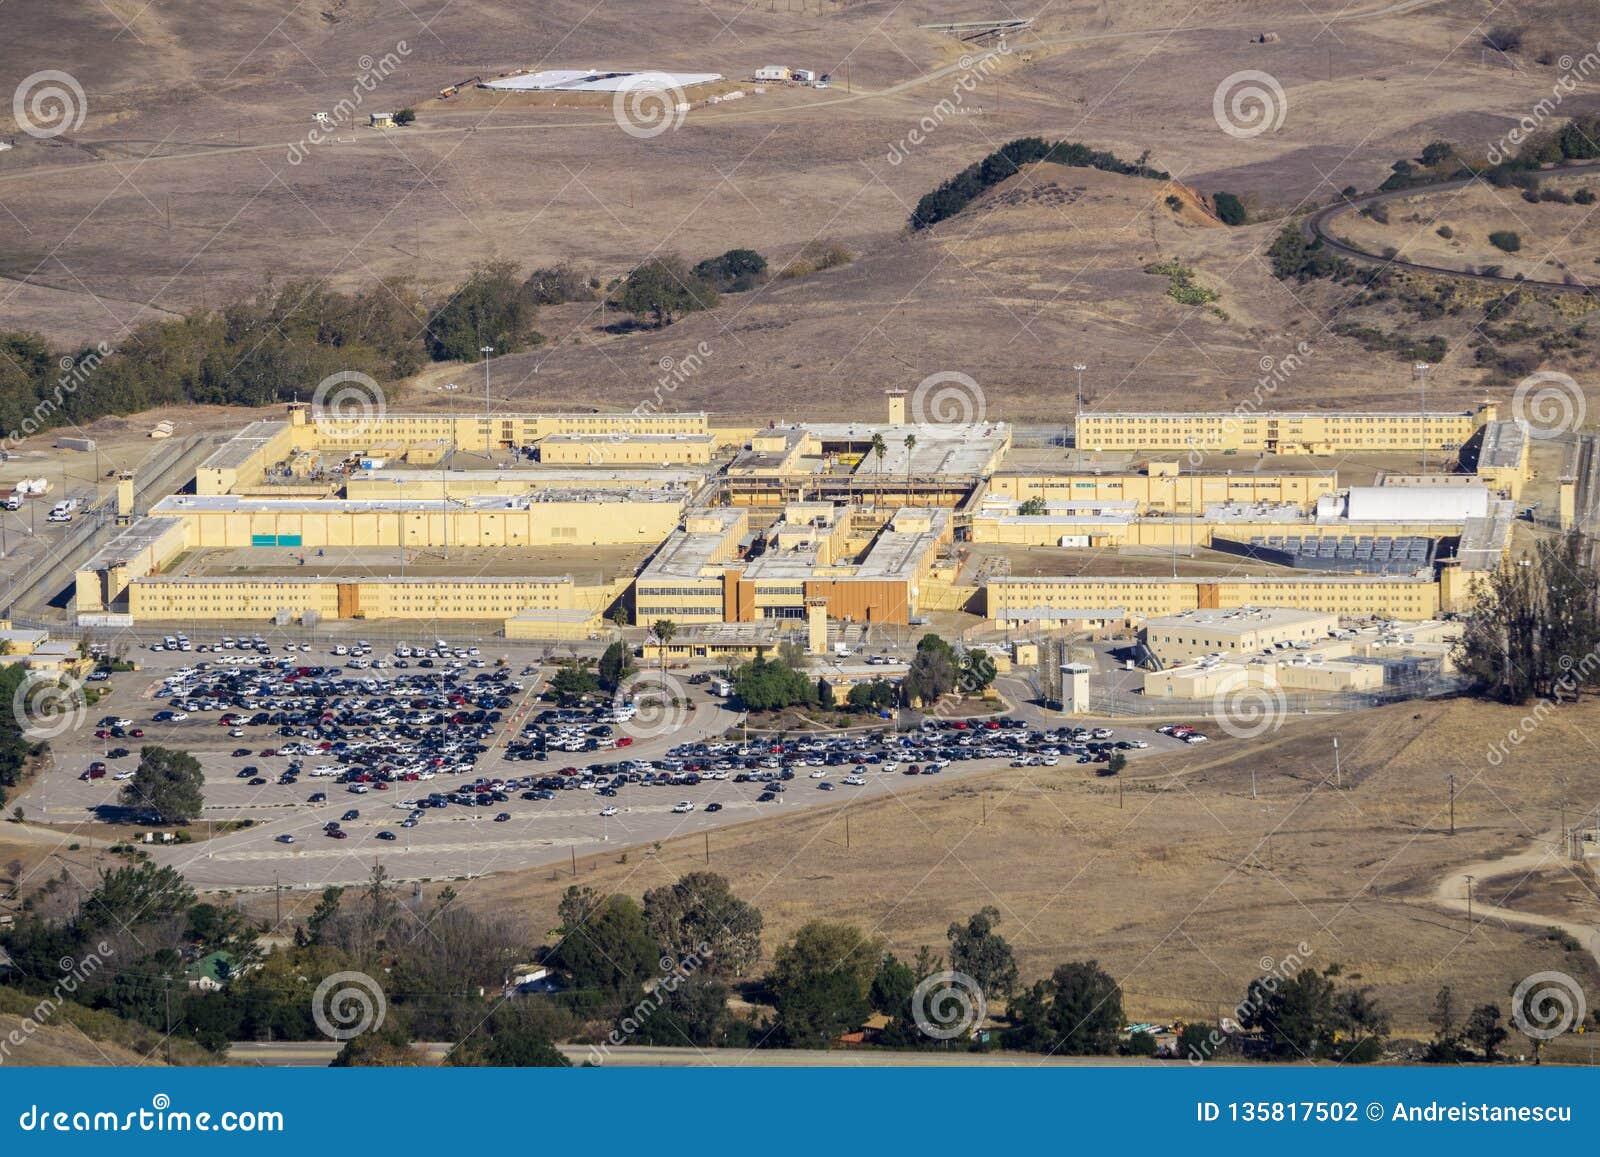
(765, 684)
(488, 309)
(880, 448)
(735, 271)
(573, 679)
(686, 1009)
(1195, 1041)
(910, 445)
(610, 954)
(1077, 1012)
(665, 630)
(405, 116)
(663, 289)
(508, 1041)
(167, 785)
(820, 984)
(1483, 1029)
(1533, 625)
(699, 922)
(1033, 508)
(1506, 240)
(1445, 1048)
(616, 663)
(983, 954)
(1307, 1015)
(1230, 210)
(932, 673)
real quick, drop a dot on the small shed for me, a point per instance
(382, 120)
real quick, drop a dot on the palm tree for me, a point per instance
(879, 449)
(665, 630)
(911, 444)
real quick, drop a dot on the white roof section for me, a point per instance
(1417, 503)
(596, 80)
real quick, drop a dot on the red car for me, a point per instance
(94, 773)
(339, 833)
(137, 733)
(625, 741)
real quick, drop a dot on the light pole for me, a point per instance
(1080, 367)
(488, 440)
(1421, 370)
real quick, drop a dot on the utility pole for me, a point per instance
(1336, 761)
(1452, 780)
(168, 1041)
(574, 851)
(1469, 905)
(277, 903)
(708, 847)
(1080, 367)
(847, 831)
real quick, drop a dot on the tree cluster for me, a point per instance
(959, 191)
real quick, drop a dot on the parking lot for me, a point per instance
(442, 763)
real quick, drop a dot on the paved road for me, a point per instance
(319, 1053)
(1316, 227)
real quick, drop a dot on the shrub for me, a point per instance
(558, 284)
(1174, 202)
(815, 257)
(1504, 39)
(1445, 231)
(405, 116)
(734, 272)
(1583, 197)
(1505, 240)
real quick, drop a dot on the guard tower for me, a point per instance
(124, 497)
(816, 626)
(897, 407)
(1075, 688)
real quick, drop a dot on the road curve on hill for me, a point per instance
(1315, 228)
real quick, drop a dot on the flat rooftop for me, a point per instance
(135, 538)
(1236, 621)
(179, 504)
(238, 449)
(1504, 444)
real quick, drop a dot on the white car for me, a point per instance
(611, 810)
(682, 807)
(178, 716)
(818, 775)
(854, 780)
(122, 775)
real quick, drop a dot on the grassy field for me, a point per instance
(1190, 887)
(179, 191)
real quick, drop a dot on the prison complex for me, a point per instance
(556, 525)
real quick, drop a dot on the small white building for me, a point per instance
(773, 72)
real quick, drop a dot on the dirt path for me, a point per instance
(1545, 852)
